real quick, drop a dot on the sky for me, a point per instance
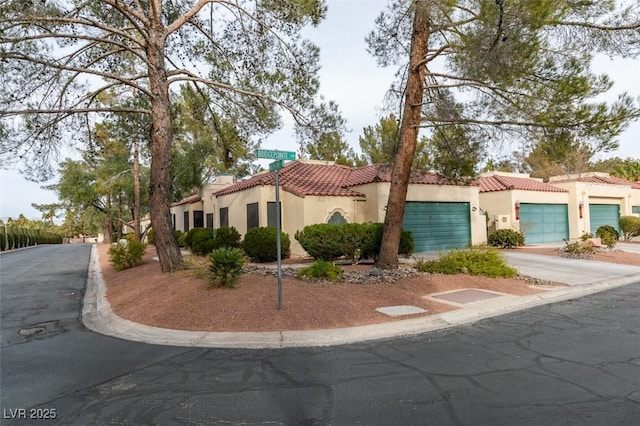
(351, 77)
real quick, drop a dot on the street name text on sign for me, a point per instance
(274, 154)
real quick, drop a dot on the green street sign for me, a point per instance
(276, 165)
(274, 154)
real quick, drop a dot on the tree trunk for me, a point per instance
(108, 221)
(136, 186)
(401, 173)
(161, 140)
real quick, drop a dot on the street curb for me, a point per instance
(98, 316)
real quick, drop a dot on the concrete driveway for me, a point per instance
(565, 270)
(630, 247)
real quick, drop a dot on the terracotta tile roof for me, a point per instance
(507, 183)
(302, 178)
(608, 180)
(382, 173)
(187, 200)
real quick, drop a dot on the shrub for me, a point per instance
(202, 242)
(225, 266)
(608, 235)
(585, 236)
(321, 241)
(191, 234)
(474, 261)
(149, 236)
(227, 236)
(578, 248)
(260, 244)
(506, 238)
(630, 227)
(179, 236)
(323, 270)
(329, 242)
(126, 254)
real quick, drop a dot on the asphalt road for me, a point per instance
(571, 363)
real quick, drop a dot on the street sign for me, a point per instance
(276, 165)
(274, 154)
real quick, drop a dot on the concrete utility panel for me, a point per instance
(397, 311)
(466, 296)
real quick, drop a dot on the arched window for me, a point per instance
(337, 219)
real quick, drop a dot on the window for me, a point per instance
(635, 209)
(253, 221)
(337, 219)
(224, 216)
(185, 215)
(271, 214)
(198, 219)
(173, 220)
(209, 220)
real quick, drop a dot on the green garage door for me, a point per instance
(438, 226)
(604, 214)
(544, 223)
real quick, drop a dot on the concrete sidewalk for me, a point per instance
(98, 316)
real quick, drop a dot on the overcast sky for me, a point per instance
(349, 76)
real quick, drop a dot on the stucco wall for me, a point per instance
(592, 193)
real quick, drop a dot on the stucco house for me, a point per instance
(197, 210)
(517, 201)
(440, 215)
(600, 199)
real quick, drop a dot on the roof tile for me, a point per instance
(507, 183)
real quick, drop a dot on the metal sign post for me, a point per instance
(278, 246)
(280, 157)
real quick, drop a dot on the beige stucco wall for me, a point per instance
(297, 212)
(593, 193)
(499, 204)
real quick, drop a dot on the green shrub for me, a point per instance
(321, 241)
(506, 238)
(329, 242)
(578, 248)
(608, 235)
(630, 227)
(199, 232)
(179, 236)
(227, 236)
(225, 266)
(126, 254)
(474, 261)
(585, 236)
(202, 242)
(260, 244)
(323, 270)
(149, 236)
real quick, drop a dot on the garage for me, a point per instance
(544, 223)
(604, 214)
(438, 225)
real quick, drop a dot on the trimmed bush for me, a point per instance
(260, 244)
(321, 269)
(630, 227)
(474, 261)
(506, 238)
(321, 241)
(329, 242)
(586, 236)
(608, 234)
(227, 236)
(200, 232)
(202, 242)
(179, 236)
(225, 266)
(126, 254)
